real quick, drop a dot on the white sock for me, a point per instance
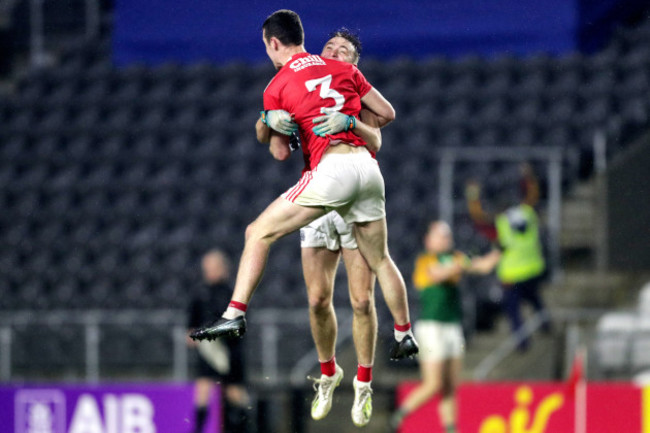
(399, 335)
(233, 313)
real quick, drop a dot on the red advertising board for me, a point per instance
(537, 408)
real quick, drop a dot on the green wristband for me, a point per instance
(352, 123)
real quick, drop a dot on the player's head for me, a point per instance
(439, 238)
(343, 45)
(282, 29)
(215, 266)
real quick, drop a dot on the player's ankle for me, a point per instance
(451, 428)
(402, 331)
(328, 368)
(235, 309)
(364, 373)
(398, 416)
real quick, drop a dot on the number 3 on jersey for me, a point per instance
(326, 92)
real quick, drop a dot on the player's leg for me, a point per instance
(202, 389)
(361, 282)
(431, 383)
(372, 240)
(447, 408)
(319, 269)
(279, 219)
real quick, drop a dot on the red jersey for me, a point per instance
(308, 86)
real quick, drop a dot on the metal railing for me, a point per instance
(572, 337)
(38, 55)
(271, 324)
(92, 322)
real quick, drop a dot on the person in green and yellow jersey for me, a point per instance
(439, 331)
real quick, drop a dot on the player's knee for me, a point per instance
(320, 304)
(362, 306)
(256, 231)
(379, 262)
(250, 230)
(447, 390)
(431, 388)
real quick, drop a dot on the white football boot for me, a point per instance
(362, 406)
(324, 388)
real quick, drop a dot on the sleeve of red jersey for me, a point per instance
(271, 98)
(363, 86)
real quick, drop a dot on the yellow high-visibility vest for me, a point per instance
(522, 257)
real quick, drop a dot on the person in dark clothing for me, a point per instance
(221, 361)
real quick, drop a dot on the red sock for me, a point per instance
(328, 368)
(403, 328)
(238, 305)
(364, 373)
(235, 309)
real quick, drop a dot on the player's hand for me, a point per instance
(190, 342)
(279, 120)
(472, 190)
(455, 270)
(333, 123)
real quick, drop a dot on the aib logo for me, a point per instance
(40, 411)
(44, 411)
(524, 418)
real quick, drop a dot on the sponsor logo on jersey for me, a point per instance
(305, 62)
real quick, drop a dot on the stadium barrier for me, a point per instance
(114, 408)
(540, 408)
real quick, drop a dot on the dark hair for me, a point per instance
(351, 36)
(284, 25)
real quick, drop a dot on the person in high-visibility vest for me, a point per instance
(522, 265)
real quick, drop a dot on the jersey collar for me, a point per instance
(296, 56)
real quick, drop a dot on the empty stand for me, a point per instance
(115, 181)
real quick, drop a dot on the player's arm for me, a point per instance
(428, 272)
(439, 273)
(484, 264)
(262, 131)
(375, 102)
(367, 127)
(483, 221)
(278, 142)
(279, 146)
(530, 185)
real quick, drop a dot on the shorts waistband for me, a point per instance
(343, 157)
(345, 149)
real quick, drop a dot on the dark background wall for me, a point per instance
(155, 31)
(628, 205)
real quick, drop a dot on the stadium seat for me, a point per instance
(129, 174)
(640, 350)
(615, 332)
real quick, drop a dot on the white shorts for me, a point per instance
(328, 231)
(439, 340)
(349, 183)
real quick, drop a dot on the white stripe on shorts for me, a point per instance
(294, 192)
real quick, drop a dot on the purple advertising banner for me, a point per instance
(110, 408)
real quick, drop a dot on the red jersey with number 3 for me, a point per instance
(308, 86)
